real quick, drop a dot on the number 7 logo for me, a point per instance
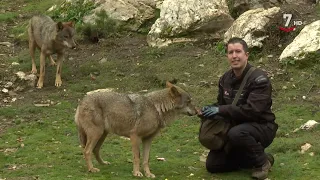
(288, 17)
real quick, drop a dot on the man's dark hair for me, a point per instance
(237, 40)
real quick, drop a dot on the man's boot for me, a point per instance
(270, 158)
(262, 172)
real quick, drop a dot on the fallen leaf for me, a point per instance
(305, 148)
(308, 125)
(41, 105)
(161, 159)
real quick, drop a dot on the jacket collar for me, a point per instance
(235, 79)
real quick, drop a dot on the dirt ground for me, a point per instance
(123, 47)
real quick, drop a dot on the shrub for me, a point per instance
(73, 11)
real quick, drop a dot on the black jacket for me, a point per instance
(254, 104)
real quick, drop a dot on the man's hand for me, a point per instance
(208, 111)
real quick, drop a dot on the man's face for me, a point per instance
(237, 57)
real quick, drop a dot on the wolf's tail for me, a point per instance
(30, 28)
(81, 133)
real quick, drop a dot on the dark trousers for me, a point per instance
(244, 148)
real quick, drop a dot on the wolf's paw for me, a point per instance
(34, 71)
(105, 163)
(93, 170)
(150, 175)
(58, 82)
(39, 85)
(138, 174)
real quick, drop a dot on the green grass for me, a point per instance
(7, 17)
(51, 149)
(42, 143)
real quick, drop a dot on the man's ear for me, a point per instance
(59, 26)
(247, 53)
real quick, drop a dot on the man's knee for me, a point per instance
(214, 168)
(217, 162)
(235, 136)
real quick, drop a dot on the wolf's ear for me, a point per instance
(59, 26)
(168, 84)
(70, 23)
(174, 91)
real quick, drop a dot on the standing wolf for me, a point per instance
(50, 38)
(139, 117)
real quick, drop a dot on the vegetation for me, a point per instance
(73, 11)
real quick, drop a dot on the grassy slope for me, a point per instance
(50, 146)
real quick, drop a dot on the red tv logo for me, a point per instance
(287, 18)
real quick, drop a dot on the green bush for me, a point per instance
(73, 11)
(103, 27)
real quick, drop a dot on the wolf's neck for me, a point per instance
(164, 104)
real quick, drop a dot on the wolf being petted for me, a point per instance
(50, 38)
(139, 117)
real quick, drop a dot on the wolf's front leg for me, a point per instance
(42, 70)
(135, 142)
(32, 48)
(146, 154)
(58, 81)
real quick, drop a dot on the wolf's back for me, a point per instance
(42, 28)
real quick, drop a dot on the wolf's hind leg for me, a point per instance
(135, 142)
(146, 144)
(42, 70)
(94, 133)
(96, 150)
(52, 62)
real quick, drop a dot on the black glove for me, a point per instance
(209, 111)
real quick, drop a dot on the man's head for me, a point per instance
(237, 53)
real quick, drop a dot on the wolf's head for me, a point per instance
(182, 100)
(65, 34)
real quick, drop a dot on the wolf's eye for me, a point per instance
(66, 36)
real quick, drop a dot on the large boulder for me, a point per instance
(237, 7)
(308, 40)
(181, 17)
(133, 12)
(252, 25)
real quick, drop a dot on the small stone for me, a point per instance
(8, 85)
(4, 90)
(103, 60)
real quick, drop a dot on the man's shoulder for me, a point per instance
(259, 76)
(226, 74)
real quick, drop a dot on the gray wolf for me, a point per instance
(49, 37)
(138, 117)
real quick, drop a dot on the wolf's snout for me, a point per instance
(192, 112)
(73, 45)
